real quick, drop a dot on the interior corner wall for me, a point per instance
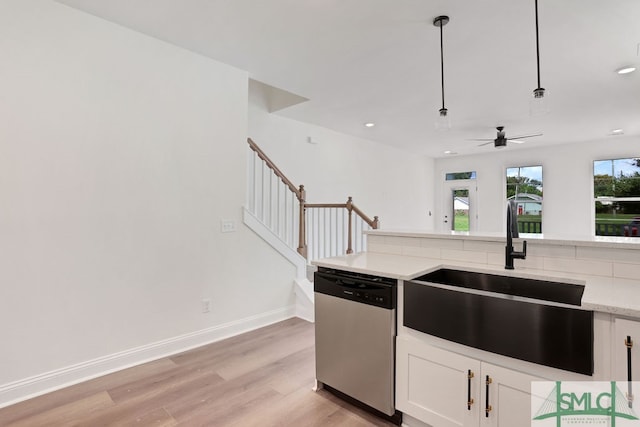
(393, 184)
(120, 155)
(567, 175)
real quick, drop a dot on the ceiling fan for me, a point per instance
(501, 138)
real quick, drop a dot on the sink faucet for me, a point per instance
(512, 231)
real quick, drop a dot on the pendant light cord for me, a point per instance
(442, 63)
(537, 45)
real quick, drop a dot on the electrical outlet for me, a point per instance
(206, 305)
(227, 226)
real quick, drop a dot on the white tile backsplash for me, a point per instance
(494, 258)
(384, 249)
(467, 256)
(421, 252)
(611, 254)
(578, 266)
(374, 238)
(532, 262)
(480, 246)
(626, 271)
(536, 249)
(442, 243)
(570, 258)
(402, 241)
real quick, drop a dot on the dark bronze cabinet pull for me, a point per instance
(629, 344)
(469, 399)
(487, 407)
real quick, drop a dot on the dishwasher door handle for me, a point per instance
(356, 285)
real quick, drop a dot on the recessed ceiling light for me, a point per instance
(450, 152)
(625, 70)
(369, 124)
(617, 132)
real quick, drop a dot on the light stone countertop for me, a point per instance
(604, 294)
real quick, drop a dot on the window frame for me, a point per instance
(506, 199)
(607, 199)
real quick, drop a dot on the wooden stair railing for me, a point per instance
(350, 207)
(298, 192)
(300, 195)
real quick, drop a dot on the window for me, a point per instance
(616, 191)
(524, 185)
(453, 176)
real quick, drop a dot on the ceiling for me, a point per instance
(358, 61)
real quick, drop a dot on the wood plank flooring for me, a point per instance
(261, 378)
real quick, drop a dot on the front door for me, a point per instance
(459, 207)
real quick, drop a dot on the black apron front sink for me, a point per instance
(555, 335)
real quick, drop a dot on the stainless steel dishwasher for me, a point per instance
(355, 322)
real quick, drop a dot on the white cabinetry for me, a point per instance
(626, 349)
(446, 389)
(432, 385)
(509, 397)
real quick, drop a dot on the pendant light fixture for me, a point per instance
(442, 122)
(537, 105)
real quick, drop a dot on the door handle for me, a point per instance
(629, 344)
(469, 399)
(487, 407)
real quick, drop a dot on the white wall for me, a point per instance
(567, 179)
(393, 184)
(119, 157)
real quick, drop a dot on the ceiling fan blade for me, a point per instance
(525, 136)
(516, 142)
(480, 139)
(486, 143)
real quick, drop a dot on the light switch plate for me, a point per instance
(227, 226)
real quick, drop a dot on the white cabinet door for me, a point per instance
(626, 350)
(433, 385)
(508, 403)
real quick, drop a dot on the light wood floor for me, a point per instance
(261, 378)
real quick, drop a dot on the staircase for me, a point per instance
(278, 212)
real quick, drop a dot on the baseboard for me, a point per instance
(28, 388)
(306, 313)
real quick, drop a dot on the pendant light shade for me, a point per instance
(537, 104)
(442, 122)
